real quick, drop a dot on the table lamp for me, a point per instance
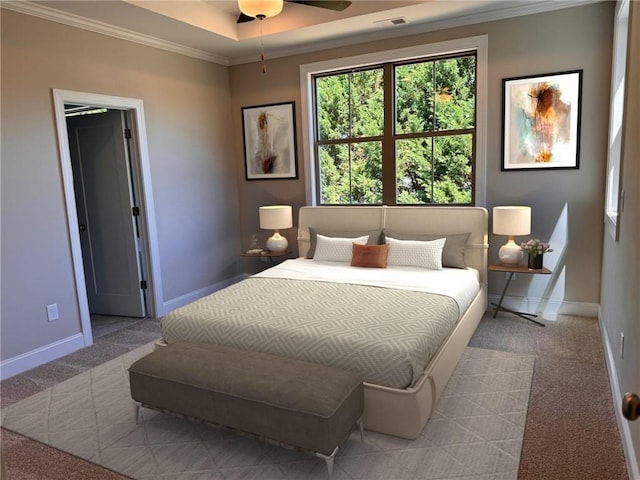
(511, 221)
(276, 217)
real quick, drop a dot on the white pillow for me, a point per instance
(416, 253)
(336, 249)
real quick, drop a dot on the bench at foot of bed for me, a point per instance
(291, 403)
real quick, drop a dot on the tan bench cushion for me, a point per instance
(305, 405)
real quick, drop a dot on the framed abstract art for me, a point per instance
(541, 121)
(269, 134)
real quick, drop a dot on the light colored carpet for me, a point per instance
(475, 433)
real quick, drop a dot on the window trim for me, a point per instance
(478, 43)
(614, 195)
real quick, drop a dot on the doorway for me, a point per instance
(107, 187)
(106, 210)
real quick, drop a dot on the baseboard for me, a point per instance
(548, 309)
(197, 294)
(623, 425)
(39, 356)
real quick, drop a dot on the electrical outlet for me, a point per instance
(621, 345)
(52, 312)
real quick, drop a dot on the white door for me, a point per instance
(104, 200)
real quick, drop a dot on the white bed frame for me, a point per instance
(404, 413)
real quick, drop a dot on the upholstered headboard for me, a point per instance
(424, 220)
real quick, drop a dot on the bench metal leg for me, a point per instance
(360, 424)
(136, 409)
(328, 459)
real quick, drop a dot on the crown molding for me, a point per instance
(517, 10)
(95, 26)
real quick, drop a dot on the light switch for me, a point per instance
(52, 312)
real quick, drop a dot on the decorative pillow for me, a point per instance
(374, 256)
(374, 237)
(336, 249)
(453, 251)
(415, 253)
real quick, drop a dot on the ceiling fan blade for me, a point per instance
(336, 5)
(244, 18)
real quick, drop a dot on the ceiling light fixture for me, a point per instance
(261, 9)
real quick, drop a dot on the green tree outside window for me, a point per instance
(432, 132)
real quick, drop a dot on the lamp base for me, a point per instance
(277, 243)
(510, 253)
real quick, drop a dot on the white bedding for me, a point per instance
(460, 284)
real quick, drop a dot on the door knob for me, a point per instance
(82, 227)
(631, 406)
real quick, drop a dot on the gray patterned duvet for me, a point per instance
(385, 334)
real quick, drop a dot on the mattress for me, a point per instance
(385, 324)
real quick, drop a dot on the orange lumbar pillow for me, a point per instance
(374, 256)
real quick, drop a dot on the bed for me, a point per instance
(402, 327)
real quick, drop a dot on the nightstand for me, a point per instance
(512, 270)
(274, 257)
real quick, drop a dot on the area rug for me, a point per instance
(475, 432)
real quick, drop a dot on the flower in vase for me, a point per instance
(535, 247)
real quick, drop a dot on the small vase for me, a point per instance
(534, 262)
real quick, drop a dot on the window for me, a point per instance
(399, 132)
(402, 56)
(616, 120)
(435, 131)
(349, 134)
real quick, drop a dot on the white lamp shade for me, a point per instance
(260, 8)
(275, 217)
(512, 220)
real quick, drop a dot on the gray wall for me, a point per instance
(576, 38)
(620, 297)
(187, 107)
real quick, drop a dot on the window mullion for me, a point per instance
(388, 142)
(350, 93)
(433, 166)
(443, 133)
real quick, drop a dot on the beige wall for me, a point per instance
(196, 156)
(191, 155)
(577, 38)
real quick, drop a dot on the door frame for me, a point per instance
(141, 173)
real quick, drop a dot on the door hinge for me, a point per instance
(143, 284)
(127, 133)
(135, 211)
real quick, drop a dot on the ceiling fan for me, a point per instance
(336, 5)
